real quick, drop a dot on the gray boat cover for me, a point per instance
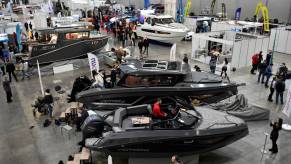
(239, 107)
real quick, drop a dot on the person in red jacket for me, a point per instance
(157, 112)
(255, 62)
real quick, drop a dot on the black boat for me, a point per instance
(64, 44)
(140, 82)
(133, 132)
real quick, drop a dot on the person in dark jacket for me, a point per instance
(262, 69)
(48, 101)
(268, 58)
(146, 44)
(7, 89)
(268, 73)
(260, 57)
(10, 69)
(30, 26)
(277, 126)
(113, 76)
(26, 26)
(140, 46)
(280, 88)
(283, 70)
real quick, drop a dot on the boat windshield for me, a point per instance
(149, 80)
(183, 119)
(163, 20)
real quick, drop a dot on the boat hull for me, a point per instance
(50, 53)
(163, 143)
(212, 93)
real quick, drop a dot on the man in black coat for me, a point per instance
(262, 69)
(7, 89)
(146, 44)
(113, 77)
(277, 126)
(10, 68)
(280, 88)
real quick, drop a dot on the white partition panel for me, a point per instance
(272, 38)
(236, 55)
(244, 53)
(265, 45)
(195, 45)
(288, 45)
(258, 45)
(252, 49)
(277, 34)
(282, 39)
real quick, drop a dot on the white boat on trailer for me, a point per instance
(162, 28)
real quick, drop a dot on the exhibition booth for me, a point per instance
(195, 23)
(239, 26)
(237, 47)
(281, 37)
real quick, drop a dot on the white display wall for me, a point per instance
(233, 26)
(244, 50)
(282, 38)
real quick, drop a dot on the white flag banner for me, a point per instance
(93, 62)
(173, 52)
(287, 108)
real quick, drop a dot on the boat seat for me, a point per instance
(139, 110)
(109, 120)
(119, 114)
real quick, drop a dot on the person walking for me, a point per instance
(282, 71)
(260, 57)
(146, 44)
(48, 101)
(2, 66)
(268, 74)
(262, 69)
(224, 68)
(276, 127)
(268, 58)
(140, 46)
(7, 89)
(30, 26)
(10, 68)
(113, 76)
(26, 26)
(280, 88)
(272, 89)
(24, 69)
(255, 62)
(185, 66)
(212, 64)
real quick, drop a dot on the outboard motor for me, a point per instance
(93, 126)
(80, 84)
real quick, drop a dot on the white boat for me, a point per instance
(162, 28)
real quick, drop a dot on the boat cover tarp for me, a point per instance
(239, 107)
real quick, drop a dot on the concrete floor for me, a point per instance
(21, 145)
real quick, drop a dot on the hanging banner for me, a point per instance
(173, 52)
(237, 14)
(212, 6)
(287, 108)
(18, 37)
(146, 4)
(93, 62)
(187, 8)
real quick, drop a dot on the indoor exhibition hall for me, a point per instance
(145, 81)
